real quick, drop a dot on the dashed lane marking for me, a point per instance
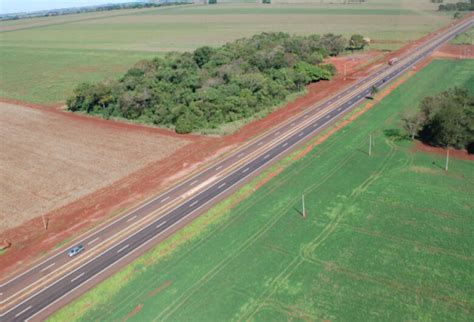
(49, 266)
(245, 170)
(93, 241)
(18, 314)
(160, 224)
(131, 218)
(194, 203)
(164, 199)
(122, 249)
(221, 185)
(80, 275)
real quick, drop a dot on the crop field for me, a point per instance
(386, 237)
(43, 59)
(50, 159)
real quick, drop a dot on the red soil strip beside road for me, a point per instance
(29, 239)
(457, 154)
(455, 52)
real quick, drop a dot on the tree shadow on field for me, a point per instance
(394, 135)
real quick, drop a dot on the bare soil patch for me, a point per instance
(455, 52)
(49, 159)
(457, 154)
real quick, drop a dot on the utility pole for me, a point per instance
(447, 159)
(45, 222)
(370, 144)
(304, 209)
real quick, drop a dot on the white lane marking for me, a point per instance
(78, 276)
(301, 134)
(49, 266)
(339, 108)
(267, 156)
(241, 155)
(93, 241)
(245, 170)
(195, 202)
(218, 168)
(194, 182)
(164, 199)
(29, 307)
(131, 218)
(277, 133)
(221, 185)
(260, 143)
(292, 124)
(315, 124)
(160, 224)
(286, 143)
(328, 116)
(123, 248)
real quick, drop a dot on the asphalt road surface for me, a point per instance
(28, 293)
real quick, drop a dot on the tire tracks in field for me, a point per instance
(255, 237)
(309, 249)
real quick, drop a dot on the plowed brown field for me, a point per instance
(50, 159)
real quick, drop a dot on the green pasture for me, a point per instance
(43, 59)
(387, 237)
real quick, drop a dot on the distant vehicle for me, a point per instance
(393, 61)
(75, 250)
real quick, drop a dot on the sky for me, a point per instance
(12, 6)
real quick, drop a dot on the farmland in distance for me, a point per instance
(43, 59)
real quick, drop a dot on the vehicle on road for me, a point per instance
(393, 61)
(75, 250)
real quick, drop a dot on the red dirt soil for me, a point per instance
(457, 154)
(455, 52)
(29, 240)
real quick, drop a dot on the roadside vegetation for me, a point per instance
(385, 235)
(466, 38)
(446, 119)
(210, 87)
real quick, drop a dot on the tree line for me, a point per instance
(446, 120)
(459, 6)
(209, 87)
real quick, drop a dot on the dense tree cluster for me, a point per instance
(444, 120)
(212, 86)
(460, 6)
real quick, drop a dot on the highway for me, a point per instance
(27, 294)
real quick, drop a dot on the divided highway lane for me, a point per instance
(311, 121)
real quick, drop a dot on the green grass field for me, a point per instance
(388, 237)
(42, 59)
(466, 38)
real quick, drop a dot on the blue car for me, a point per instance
(75, 250)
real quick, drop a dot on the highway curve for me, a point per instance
(29, 293)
